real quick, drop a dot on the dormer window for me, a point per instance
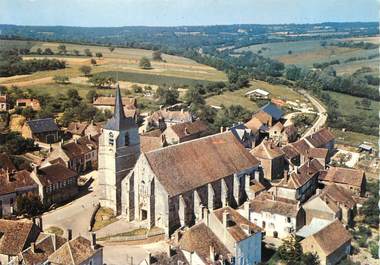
(110, 139)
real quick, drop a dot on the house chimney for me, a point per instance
(93, 240)
(181, 110)
(177, 237)
(39, 222)
(69, 234)
(149, 258)
(205, 215)
(212, 254)
(33, 247)
(257, 176)
(221, 129)
(225, 218)
(246, 209)
(61, 143)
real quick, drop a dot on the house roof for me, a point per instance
(315, 225)
(262, 116)
(3, 99)
(302, 147)
(254, 124)
(169, 115)
(290, 130)
(290, 151)
(318, 152)
(237, 224)
(55, 173)
(339, 195)
(349, 176)
(12, 182)
(320, 138)
(73, 252)
(273, 110)
(42, 125)
(332, 237)
(278, 126)
(6, 163)
(45, 245)
(185, 129)
(199, 238)
(186, 166)
(80, 146)
(15, 235)
(267, 150)
(148, 143)
(263, 204)
(77, 128)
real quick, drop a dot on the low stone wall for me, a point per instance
(121, 238)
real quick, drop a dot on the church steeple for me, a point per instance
(119, 121)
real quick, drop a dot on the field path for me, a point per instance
(322, 114)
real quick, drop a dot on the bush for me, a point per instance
(145, 63)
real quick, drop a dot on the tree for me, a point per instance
(99, 55)
(145, 63)
(101, 81)
(15, 144)
(30, 204)
(93, 61)
(62, 49)
(290, 251)
(61, 79)
(167, 96)
(85, 69)
(39, 51)
(87, 52)
(366, 103)
(48, 51)
(111, 49)
(76, 52)
(157, 56)
(91, 95)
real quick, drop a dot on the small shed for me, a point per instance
(366, 148)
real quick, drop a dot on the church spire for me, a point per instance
(118, 121)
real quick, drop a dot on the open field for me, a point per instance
(238, 97)
(355, 139)
(121, 59)
(347, 104)
(306, 53)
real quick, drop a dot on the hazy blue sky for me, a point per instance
(183, 12)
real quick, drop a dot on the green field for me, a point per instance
(306, 53)
(347, 104)
(238, 97)
(355, 139)
(153, 79)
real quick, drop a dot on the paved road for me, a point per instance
(322, 114)
(75, 215)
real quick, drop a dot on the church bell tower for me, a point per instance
(119, 149)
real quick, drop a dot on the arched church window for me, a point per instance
(110, 139)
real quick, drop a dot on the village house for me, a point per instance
(322, 138)
(277, 218)
(14, 184)
(168, 187)
(4, 103)
(164, 118)
(331, 203)
(108, 103)
(300, 184)
(77, 129)
(152, 140)
(40, 250)
(200, 246)
(16, 236)
(257, 94)
(292, 156)
(56, 183)
(351, 179)
(81, 155)
(42, 130)
(306, 151)
(78, 251)
(182, 132)
(332, 243)
(244, 134)
(241, 237)
(273, 111)
(283, 135)
(272, 159)
(32, 103)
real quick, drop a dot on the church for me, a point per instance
(172, 186)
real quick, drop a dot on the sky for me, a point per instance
(90, 13)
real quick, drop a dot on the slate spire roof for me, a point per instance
(119, 121)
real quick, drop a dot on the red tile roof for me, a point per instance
(10, 183)
(185, 129)
(320, 138)
(55, 173)
(186, 166)
(110, 101)
(267, 150)
(350, 176)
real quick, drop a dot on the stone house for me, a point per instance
(258, 125)
(152, 140)
(41, 130)
(332, 243)
(12, 185)
(56, 183)
(292, 156)
(40, 250)
(272, 159)
(277, 218)
(28, 103)
(78, 251)
(283, 135)
(81, 155)
(169, 187)
(300, 184)
(273, 111)
(241, 237)
(164, 118)
(351, 179)
(182, 132)
(4, 103)
(322, 138)
(76, 129)
(16, 236)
